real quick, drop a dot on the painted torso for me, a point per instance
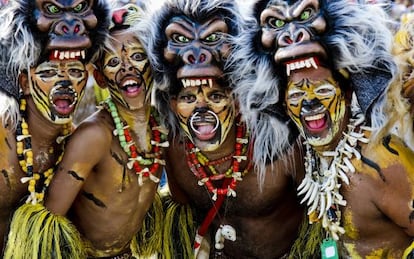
(254, 214)
(11, 189)
(379, 211)
(109, 205)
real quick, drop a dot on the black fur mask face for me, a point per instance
(66, 29)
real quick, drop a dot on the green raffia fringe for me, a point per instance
(36, 233)
(307, 245)
(179, 230)
(148, 240)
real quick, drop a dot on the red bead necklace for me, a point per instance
(151, 160)
(198, 163)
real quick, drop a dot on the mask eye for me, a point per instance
(52, 9)
(180, 38)
(275, 22)
(305, 15)
(212, 37)
(80, 7)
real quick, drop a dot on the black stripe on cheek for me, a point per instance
(76, 176)
(95, 200)
(6, 176)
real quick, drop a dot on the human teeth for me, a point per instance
(314, 117)
(129, 82)
(204, 82)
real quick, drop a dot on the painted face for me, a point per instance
(198, 50)
(291, 31)
(128, 72)
(206, 115)
(56, 88)
(68, 24)
(316, 104)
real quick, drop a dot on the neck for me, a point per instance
(138, 121)
(226, 148)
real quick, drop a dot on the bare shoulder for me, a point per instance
(94, 132)
(96, 128)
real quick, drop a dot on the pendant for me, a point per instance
(329, 249)
(224, 232)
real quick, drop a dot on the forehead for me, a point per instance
(310, 73)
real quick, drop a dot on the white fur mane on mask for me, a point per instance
(155, 40)
(358, 38)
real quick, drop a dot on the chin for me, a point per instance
(207, 145)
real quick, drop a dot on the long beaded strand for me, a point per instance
(151, 160)
(25, 156)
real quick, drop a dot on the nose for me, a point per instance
(310, 105)
(70, 27)
(293, 35)
(65, 83)
(197, 56)
(126, 66)
(118, 16)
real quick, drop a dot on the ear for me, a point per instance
(99, 78)
(24, 82)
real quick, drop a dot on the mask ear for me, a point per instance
(24, 82)
(99, 78)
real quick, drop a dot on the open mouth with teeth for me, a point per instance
(188, 82)
(131, 87)
(204, 126)
(67, 55)
(301, 63)
(316, 124)
(64, 100)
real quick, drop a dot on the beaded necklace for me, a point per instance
(25, 156)
(151, 160)
(323, 180)
(198, 163)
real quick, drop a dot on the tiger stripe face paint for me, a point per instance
(56, 87)
(315, 103)
(206, 115)
(128, 72)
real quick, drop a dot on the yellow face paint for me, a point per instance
(56, 87)
(206, 115)
(315, 103)
(128, 73)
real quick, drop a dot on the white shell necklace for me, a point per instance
(323, 179)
